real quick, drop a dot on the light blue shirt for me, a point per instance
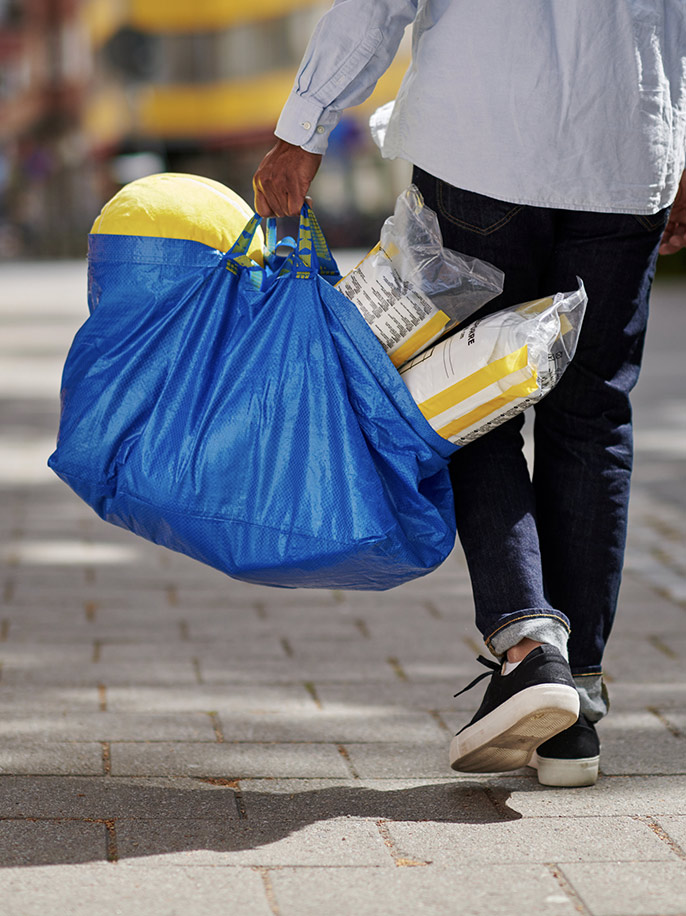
(576, 104)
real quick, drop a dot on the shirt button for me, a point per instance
(321, 130)
(306, 125)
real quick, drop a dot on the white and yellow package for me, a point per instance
(496, 367)
(410, 289)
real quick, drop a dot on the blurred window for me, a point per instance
(132, 54)
(11, 13)
(241, 52)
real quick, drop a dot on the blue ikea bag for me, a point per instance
(249, 418)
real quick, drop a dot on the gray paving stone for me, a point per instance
(132, 603)
(71, 674)
(52, 842)
(226, 652)
(636, 599)
(295, 785)
(421, 891)
(436, 669)
(637, 660)
(633, 697)
(254, 668)
(270, 840)
(630, 795)
(107, 890)
(108, 726)
(109, 797)
(245, 629)
(227, 700)
(630, 888)
(24, 628)
(43, 757)
(419, 645)
(675, 828)
(399, 761)
(27, 700)
(305, 600)
(231, 761)
(28, 661)
(639, 743)
(379, 800)
(589, 839)
(675, 719)
(425, 694)
(337, 725)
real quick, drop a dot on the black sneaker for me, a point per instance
(519, 712)
(570, 758)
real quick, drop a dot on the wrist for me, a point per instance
(306, 124)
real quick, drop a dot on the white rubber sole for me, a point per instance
(506, 738)
(581, 771)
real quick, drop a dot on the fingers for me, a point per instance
(283, 179)
(261, 204)
(674, 238)
(276, 199)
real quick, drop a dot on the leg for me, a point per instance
(494, 498)
(583, 435)
(545, 553)
(496, 514)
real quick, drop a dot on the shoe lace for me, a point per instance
(493, 666)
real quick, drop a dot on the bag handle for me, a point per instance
(237, 256)
(327, 265)
(313, 255)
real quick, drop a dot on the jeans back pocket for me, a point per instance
(471, 211)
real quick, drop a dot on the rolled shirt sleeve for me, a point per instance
(352, 46)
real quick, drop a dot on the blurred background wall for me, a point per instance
(95, 93)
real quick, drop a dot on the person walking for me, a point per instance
(550, 138)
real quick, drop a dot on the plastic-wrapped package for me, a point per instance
(497, 366)
(410, 289)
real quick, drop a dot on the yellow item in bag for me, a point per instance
(409, 288)
(497, 366)
(173, 205)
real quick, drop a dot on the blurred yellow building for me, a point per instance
(127, 87)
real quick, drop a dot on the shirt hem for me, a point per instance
(548, 203)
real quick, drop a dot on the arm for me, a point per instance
(352, 46)
(674, 237)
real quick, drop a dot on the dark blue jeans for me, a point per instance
(548, 547)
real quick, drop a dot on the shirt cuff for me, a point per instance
(305, 123)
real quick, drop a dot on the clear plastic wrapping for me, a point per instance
(410, 289)
(496, 367)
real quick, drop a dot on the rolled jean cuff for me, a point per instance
(593, 697)
(549, 629)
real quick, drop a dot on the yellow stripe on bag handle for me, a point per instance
(528, 386)
(475, 382)
(242, 244)
(415, 343)
(305, 238)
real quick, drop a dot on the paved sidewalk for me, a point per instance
(175, 742)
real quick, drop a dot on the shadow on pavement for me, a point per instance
(57, 821)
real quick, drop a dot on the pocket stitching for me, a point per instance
(488, 230)
(645, 221)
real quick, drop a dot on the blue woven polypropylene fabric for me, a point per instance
(261, 431)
